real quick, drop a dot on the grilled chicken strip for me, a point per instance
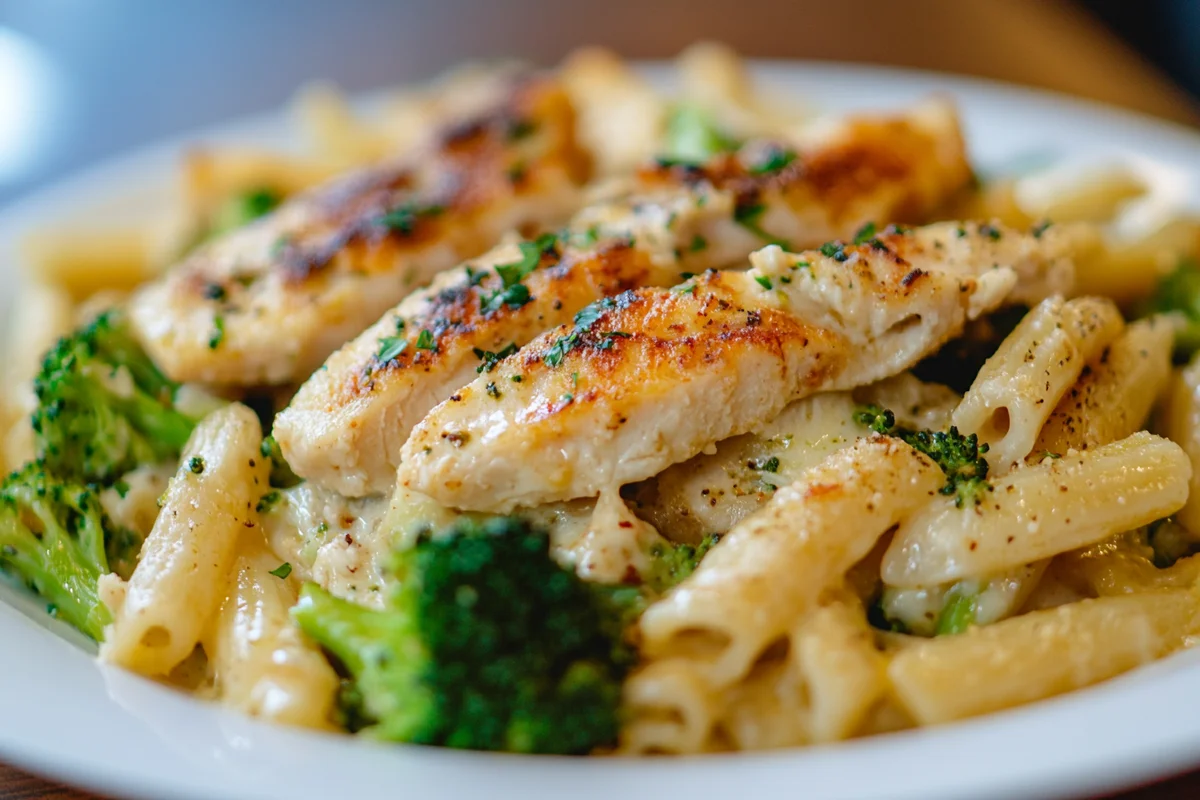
(268, 303)
(654, 376)
(892, 168)
(345, 426)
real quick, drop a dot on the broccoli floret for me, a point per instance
(671, 563)
(55, 535)
(282, 476)
(1179, 292)
(103, 406)
(485, 643)
(692, 136)
(960, 457)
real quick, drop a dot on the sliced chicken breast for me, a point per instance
(881, 168)
(655, 376)
(345, 426)
(268, 303)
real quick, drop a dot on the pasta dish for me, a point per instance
(545, 412)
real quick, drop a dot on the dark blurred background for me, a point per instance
(81, 79)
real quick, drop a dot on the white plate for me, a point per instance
(62, 715)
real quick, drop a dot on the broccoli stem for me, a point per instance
(53, 536)
(958, 614)
(362, 641)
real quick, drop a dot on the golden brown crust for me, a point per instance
(455, 318)
(868, 153)
(286, 290)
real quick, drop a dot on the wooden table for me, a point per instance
(1047, 44)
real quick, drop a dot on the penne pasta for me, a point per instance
(333, 130)
(1039, 511)
(83, 262)
(1123, 565)
(1093, 195)
(161, 613)
(259, 661)
(1180, 422)
(1018, 387)
(835, 653)
(770, 570)
(1128, 268)
(1114, 394)
(672, 709)
(1039, 654)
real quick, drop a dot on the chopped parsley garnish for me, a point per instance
(514, 296)
(493, 391)
(215, 291)
(777, 158)
(195, 465)
(390, 347)
(764, 282)
(282, 571)
(218, 332)
(750, 218)
(801, 265)
(516, 378)
(267, 502)
(425, 341)
(121, 488)
(475, 276)
(1040, 228)
(584, 320)
(490, 359)
(698, 243)
(513, 293)
(865, 233)
(404, 220)
(608, 341)
(834, 250)
(517, 172)
(991, 231)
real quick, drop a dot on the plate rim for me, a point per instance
(1178, 751)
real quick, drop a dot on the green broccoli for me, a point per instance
(958, 612)
(103, 406)
(55, 535)
(1179, 292)
(242, 209)
(960, 457)
(282, 476)
(671, 563)
(693, 137)
(485, 644)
